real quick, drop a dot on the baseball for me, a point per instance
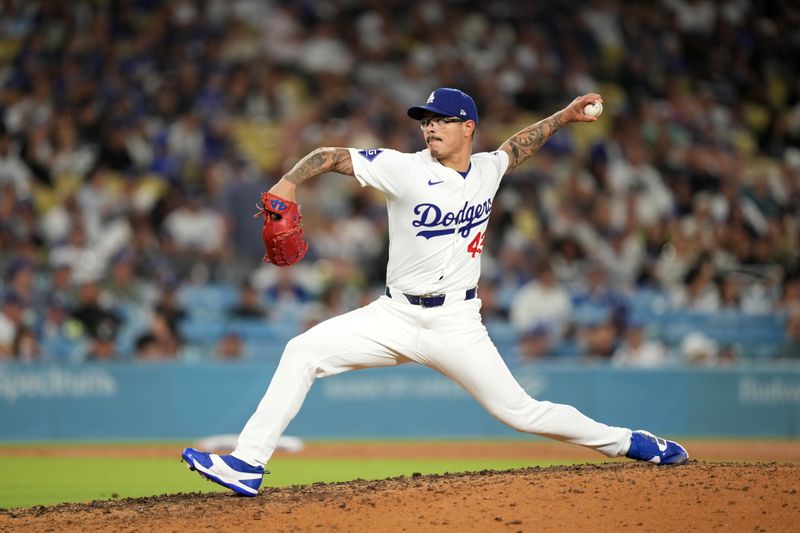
(594, 109)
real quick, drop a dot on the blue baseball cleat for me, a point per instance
(647, 447)
(225, 470)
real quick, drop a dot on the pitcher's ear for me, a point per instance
(470, 128)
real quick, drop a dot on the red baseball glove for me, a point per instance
(282, 231)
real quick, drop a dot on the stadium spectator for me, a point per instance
(596, 294)
(597, 341)
(20, 280)
(15, 176)
(102, 345)
(542, 301)
(121, 285)
(569, 261)
(168, 303)
(77, 253)
(59, 334)
(147, 348)
(634, 174)
(240, 185)
(697, 349)
(26, 345)
(230, 347)
(730, 293)
(11, 321)
(491, 310)
(100, 323)
(700, 291)
(332, 302)
(249, 304)
(196, 237)
(789, 300)
(535, 345)
(161, 342)
(790, 347)
(284, 289)
(62, 287)
(637, 350)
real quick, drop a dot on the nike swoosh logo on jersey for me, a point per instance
(431, 182)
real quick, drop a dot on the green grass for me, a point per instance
(29, 481)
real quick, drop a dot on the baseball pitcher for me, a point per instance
(439, 201)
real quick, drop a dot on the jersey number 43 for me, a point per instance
(476, 245)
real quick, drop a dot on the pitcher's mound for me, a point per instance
(596, 497)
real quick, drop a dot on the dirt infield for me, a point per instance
(603, 497)
(612, 496)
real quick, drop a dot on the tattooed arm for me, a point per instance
(318, 162)
(524, 143)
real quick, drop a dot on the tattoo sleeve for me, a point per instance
(524, 143)
(320, 161)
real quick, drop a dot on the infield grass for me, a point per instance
(29, 481)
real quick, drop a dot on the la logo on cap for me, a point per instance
(431, 97)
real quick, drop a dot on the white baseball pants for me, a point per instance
(450, 339)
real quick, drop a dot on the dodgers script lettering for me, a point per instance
(468, 217)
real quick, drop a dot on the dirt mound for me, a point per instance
(595, 497)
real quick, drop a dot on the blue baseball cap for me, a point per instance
(447, 102)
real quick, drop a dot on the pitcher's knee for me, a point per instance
(308, 355)
(525, 416)
(298, 353)
(515, 423)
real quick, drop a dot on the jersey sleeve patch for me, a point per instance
(370, 155)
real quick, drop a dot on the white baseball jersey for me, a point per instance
(437, 217)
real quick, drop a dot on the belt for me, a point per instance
(435, 300)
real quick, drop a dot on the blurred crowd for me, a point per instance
(136, 138)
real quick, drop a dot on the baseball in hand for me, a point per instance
(594, 109)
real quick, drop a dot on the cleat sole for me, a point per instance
(188, 465)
